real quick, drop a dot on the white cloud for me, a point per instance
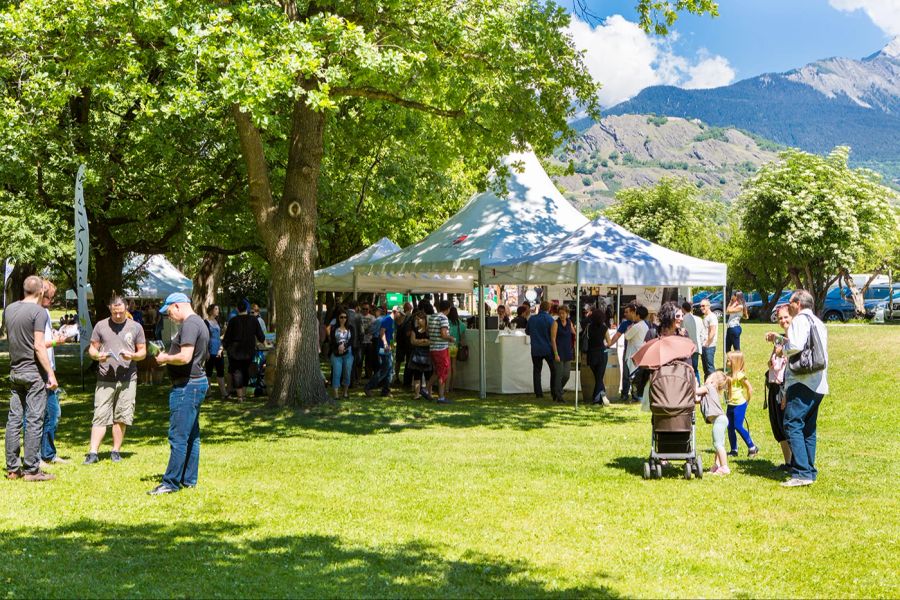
(884, 13)
(625, 60)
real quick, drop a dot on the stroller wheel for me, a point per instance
(698, 467)
(658, 471)
(687, 470)
(646, 470)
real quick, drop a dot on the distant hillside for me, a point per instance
(837, 101)
(639, 150)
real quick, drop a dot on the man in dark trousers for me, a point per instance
(186, 360)
(538, 329)
(30, 376)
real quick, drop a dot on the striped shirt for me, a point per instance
(436, 322)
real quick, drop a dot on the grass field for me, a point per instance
(505, 497)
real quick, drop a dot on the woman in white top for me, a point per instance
(736, 309)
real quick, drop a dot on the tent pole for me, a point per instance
(355, 286)
(482, 382)
(724, 323)
(577, 345)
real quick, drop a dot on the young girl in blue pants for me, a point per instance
(738, 394)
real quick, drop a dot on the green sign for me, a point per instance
(394, 299)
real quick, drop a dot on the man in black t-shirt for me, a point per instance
(186, 360)
(30, 376)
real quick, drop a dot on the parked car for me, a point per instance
(699, 296)
(755, 304)
(873, 305)
(839, 308)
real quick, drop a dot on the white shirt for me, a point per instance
(710, 320)
(797, 335)
(635, 338)
(695, 330)
(48, 335)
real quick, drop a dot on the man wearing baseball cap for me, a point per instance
(186, 360)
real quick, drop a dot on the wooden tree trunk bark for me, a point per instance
(108, 265)
(20, 272)
(206, 282)
(288, 230)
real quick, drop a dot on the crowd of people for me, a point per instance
(425, 343)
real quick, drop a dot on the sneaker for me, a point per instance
(714, 469)
(11, 475)
(115, 456)
(38, 476)
(604, 399)
(733, 453)
(425, 394)
(795, 482)
(161, 489)
(91, 458)
(722, 471)
(443, 401)
(752, 451)
(58, 460)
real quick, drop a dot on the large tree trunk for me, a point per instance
(206, 282)
(109, 261)
(288, 230)
(20, 272)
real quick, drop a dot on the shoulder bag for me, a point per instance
(812, 358)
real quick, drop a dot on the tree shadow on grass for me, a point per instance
(89, 558)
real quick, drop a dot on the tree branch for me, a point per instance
(375, 94)
(261, 202)
(232, 251)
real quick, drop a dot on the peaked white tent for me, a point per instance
(603, 253)
(340, 277)
(160, 279)
(489, 229)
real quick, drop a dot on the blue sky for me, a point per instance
(748, 38)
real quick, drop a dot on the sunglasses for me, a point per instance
(679, 315)
(342, 317)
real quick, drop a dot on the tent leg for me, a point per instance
(724, 324)
(578, 323)
(482, 383)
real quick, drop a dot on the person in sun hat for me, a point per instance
(186, 360)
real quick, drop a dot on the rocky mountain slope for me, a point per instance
(836, 101)
(639, 150)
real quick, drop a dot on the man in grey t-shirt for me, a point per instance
(31, 375)
(117, 343)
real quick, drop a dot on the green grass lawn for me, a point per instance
(505, 497)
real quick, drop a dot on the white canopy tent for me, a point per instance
(341, 277)
(603, 253)
(160, 279)
(490, 228)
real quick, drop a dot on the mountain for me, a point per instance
(831, 102)
(639, 150)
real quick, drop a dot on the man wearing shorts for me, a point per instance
(439, 349)
(117, 343)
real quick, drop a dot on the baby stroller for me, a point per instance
(671, 390)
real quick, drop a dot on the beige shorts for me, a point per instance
(114, 402)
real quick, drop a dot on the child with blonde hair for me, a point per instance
(738, 393)
(711, 407)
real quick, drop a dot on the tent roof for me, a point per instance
(489, 228)
(606, 253)
(339, 277)
(160, 279)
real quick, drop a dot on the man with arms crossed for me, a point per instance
(804, 391)
(117, 343)
(186, 359)
(708, 351)
(31, 375)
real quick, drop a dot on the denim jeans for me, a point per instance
(560, 378)
(383, 373)
(184, 433)
(27, 404)
(537, 366)
(51, 420)
(709, 360)
(695, 361)
(341, 369)
(800, 416)
(733, 338)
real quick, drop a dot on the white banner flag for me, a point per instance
(7, 271)
(82, 252)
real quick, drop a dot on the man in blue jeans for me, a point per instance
(804, 391)
(382, 347)
(186, 359)
(711, 326)
(53, 412)
(538, 329)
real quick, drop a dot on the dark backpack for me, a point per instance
(812, 358)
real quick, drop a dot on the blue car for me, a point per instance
(837, 308)
(715, 304)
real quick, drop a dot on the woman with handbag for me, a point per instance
(419, 364)
(341, 345)
(459, 352)
(562, 341)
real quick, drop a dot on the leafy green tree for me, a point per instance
(671, 214)
(814, 217)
